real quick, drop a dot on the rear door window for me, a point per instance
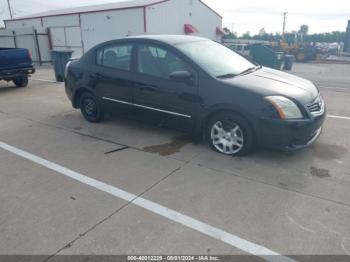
(115, 56)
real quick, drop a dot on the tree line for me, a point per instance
(329, 37)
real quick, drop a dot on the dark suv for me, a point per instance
(222, 96)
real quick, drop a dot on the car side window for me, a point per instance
(115, 56)
(159, 62)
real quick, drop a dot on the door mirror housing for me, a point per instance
(183, 77)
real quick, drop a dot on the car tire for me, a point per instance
(21, 81)
(230, 134)
(91, 108)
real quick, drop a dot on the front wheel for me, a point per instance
(91, 108)
(21, 81)
(230, 134)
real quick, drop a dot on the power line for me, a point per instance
(9, 7)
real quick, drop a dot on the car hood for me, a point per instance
(267, 82)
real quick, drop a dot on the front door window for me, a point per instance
(159, 62)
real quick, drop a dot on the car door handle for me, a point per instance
(97, 76)
(143, 87)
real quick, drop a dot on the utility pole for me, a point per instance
(10, 10)
(284, 24)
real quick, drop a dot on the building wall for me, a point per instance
(36, 41)
(93, 28)
(206, 20)
(39, 23)
(65, 31)
(64, 20)
(103, 26)
(25, 23)
(6, 38)
(170, 18)
(96, 27)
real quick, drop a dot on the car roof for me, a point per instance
(169, 39)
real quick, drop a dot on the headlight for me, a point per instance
(66, 69)
(285, 107)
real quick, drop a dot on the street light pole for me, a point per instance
(284, 23)
(10, 10)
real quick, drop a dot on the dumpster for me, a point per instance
(347, 39)
(267, 56)
(288, 62)
(59, 60)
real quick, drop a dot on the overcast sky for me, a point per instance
(242, 16)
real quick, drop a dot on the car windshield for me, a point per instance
(216, 59)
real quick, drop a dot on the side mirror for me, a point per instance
(182, 77)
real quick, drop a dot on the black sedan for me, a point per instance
(221, 96)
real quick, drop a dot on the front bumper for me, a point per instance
(290, 135)
(306, 143)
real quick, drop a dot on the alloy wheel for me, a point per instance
(90, 107)
(227, 137)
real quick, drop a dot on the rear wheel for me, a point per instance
(91, 108)
(21, 81)
(230, 134)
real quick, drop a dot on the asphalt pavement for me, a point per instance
(128, 187)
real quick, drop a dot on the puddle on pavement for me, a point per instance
(169, 148)
(319, 172)
(328, 151)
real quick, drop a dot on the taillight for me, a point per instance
(30, 55)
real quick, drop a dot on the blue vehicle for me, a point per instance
(16, 65)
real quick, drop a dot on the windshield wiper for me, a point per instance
(230, 75)
(250, 69)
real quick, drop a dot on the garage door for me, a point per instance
(67, 38)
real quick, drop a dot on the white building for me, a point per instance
(81, 28)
